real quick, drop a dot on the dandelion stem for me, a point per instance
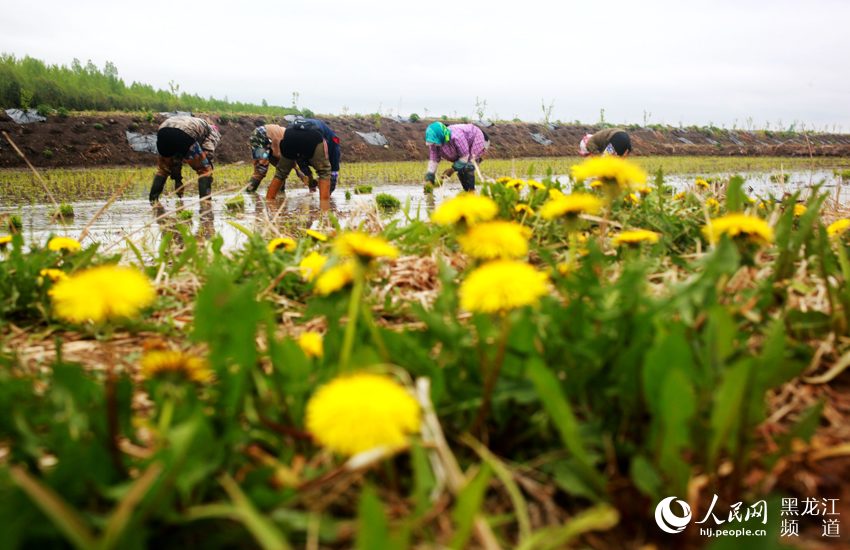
(353, 312)
(166, 415)
(492, 376)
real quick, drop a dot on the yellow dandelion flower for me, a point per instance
(570, 205)
(311, 265)
(364, 246)
(59, 244)
(680, 196)
(524, 209)
(838, 228)
(635, 236)
(54, 275)
(469, 207)
(361, 412)
(502, 285)
(564, 268)
(644, 190)
(702, 184)
(712, 204)
(101, 293)
(632, 198)
(799, 210)
(504, 179)
(318, 235)
(335, 278)
(496, 239)
(595, 184)
(742, 226)
(157, 363)
(611, 170)
(534, 184)
(515, 184)
(284, 243)
(4, 240)
(311, 344)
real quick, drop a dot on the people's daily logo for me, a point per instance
(670, 521)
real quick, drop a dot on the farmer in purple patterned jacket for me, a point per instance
(461, 144)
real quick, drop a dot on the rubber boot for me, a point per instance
(467, 179)
(324, 189)
(274, 187)
(204, 187)
(156, 188)
(253, 184)
(178, 188)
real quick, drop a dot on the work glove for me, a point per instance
(431, 177)
(461, 165)
(334, 180)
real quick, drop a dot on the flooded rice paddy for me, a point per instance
(133, 219)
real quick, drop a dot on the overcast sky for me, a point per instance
(720, 62)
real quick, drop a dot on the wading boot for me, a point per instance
(253, 184)
(274, 187)
(205, 187)
(178, 188)
(156, 188)
(467, 179)
(324, 189)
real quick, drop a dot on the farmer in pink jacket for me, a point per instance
(461, 144)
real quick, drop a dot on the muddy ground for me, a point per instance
(100, 140)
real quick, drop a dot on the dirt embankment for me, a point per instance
(101, 140)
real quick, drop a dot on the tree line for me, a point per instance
(31, 83)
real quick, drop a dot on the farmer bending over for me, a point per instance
(185, 139)
(299, 144)
(460, 144)
(611, 141)
(264, 153)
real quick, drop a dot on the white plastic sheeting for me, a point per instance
(25, 117)
(374, 138)
(143, 143)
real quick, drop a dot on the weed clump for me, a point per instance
(65, 211)
(386, 201)
(363, 190)
(235, 203)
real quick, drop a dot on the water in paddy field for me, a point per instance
(136, 220)
(299, 209)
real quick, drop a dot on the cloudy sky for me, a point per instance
(733, 63)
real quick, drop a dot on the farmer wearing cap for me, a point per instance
(299, 144)
(611, 141)
(461, 144)
(185, 139)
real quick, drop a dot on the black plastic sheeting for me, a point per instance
(541, 139)
(143, 143)
(374, 138)
(25, 117)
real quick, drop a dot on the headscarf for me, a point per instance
(437, 133)
(260, 143)
(582, 146)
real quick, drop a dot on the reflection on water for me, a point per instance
(287, 214)
(299, 209)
